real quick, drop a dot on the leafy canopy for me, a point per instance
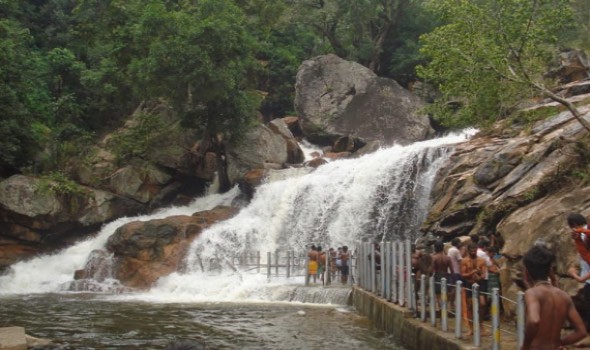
(489, 55)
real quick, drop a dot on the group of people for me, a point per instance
(471, 262)
(337, 260)
(547, 306)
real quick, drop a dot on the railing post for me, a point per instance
(443, 305)
(432, 298)
(371, 262)
(423, 298)
(520, 318)
(327, 271)
(409, 271)
(458, 308)
(382, 270)
(413, 295)
(268, 264)
(363, 267)
(386, 270)
(306, 267)
(258, 261)
(495, 311)
(475, 307)
(277, 263)
(288, 264)
(394, 271)
(403, 276)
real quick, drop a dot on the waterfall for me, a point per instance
(379, 196)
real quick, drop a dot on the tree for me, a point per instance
(355, 29)
(198, 59)
(493, 54)
(24, 97)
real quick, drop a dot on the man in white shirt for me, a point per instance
(482, 246)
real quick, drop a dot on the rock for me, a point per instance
(258, 148)
(316, 162)
(513, 190)
(13, 338)
(294, 153)
(141, 184)
(336, 98)
(38, 215)
(146, 251)
(572, 65)
(37, 343)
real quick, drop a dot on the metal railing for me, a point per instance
(289, 264)
(394, 281)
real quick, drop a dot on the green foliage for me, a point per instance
(491, 54)
(198, 59)
(23, 94)
(59, 184)
(380, 34)
(140, 139)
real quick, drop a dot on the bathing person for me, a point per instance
(455, 254)
(312, 264)
(547, 307)
(345, 268)
(473, 268)
(580, 234)
(441, 266)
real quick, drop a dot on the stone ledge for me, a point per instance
(401, 322)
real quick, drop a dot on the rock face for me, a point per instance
(38, 216)
(337, 98)
(146, 251)
(514, 190)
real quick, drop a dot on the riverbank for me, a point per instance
(413, 333)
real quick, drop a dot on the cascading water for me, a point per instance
(380, 196)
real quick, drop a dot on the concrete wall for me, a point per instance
(396, 320)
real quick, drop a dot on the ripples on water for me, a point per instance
(88, 321)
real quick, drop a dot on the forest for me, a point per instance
(71, 70)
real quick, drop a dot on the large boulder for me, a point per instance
(335, 98)
(150, 154)
(147, 250)
(263, 147)
(37, 215)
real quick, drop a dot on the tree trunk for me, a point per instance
(570, 106)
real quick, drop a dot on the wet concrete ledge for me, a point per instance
(396, 320)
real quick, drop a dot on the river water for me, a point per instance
(91, 321)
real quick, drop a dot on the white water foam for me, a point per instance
(50, 272)
(378, 196)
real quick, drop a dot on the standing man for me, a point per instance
(456, 256)
(482, 247)
(345, 269)
(441, 266)
(473, 268)
(547, 307)
(577, 222)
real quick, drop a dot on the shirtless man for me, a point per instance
(473, 268)
(548, 307)
(441, 266)
(345, 269)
